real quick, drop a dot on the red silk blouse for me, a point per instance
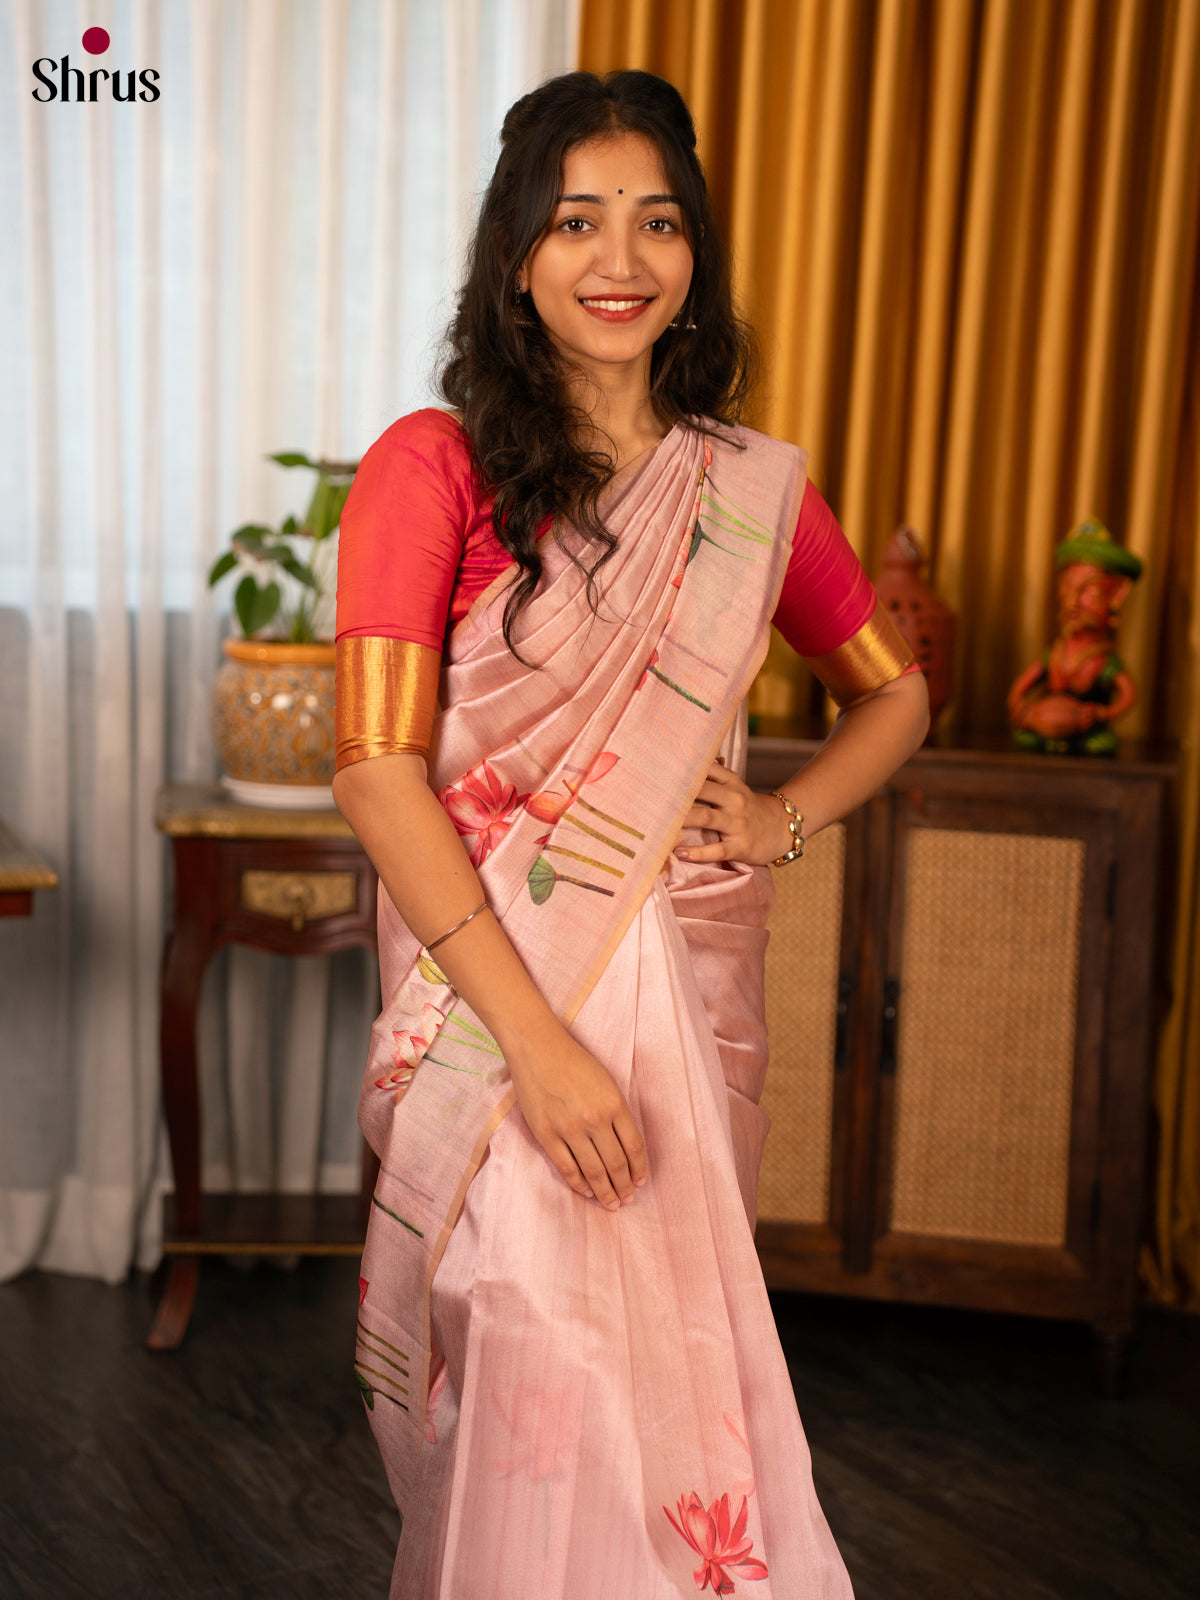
(417, 547)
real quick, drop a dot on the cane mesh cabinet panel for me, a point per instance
(959, 1001)
(987, 1036)
(802, 972)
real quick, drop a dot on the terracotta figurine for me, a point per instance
(1067, 702)
(923, 619)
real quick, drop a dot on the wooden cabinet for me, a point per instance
(959, 989)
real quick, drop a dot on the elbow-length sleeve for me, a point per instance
(829, 612)
(399, 547)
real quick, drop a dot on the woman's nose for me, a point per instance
(618, 257)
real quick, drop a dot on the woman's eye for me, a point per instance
(574, 225)
(662, 225)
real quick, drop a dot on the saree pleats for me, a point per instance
(599, 1367)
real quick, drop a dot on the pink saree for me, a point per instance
(571, 1401)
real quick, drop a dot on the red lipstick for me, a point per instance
(615, 308)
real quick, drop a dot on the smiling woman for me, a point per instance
(565, 1345)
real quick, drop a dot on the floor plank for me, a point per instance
(958, 1456)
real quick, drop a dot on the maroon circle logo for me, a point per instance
(95, 41)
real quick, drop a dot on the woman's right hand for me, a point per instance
(580, 1118)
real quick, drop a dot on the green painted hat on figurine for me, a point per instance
(1092, 543)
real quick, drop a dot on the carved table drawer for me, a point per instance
(299, 897)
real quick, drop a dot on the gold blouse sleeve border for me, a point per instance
(869, 658)
(385, 698)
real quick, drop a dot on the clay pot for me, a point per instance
(924, 620)
(273, 721)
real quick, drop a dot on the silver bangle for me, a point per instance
(434, 943)
(795, 825)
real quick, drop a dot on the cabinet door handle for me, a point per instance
(891, 1008)
(845, 990)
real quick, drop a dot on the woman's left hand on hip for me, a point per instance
(753, 827)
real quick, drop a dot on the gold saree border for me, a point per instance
(385, 697)
(869, 658)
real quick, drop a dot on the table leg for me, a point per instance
(175, 1307)
(187, 954)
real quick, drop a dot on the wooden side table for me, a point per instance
(22, 871)
(296, 882)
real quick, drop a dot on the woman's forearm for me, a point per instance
(868, 742)
(569, 1100)
(421, 860)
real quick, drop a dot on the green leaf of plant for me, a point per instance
(316, 518)
(298, 570)
(255, 607)
(292, 458)
(290, 525)
(250, 540)
(301, 630)
(541, 881)
(335, 503)
(221, 566)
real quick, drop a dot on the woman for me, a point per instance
(564, 1339)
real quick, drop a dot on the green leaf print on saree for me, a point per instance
(551, 805)
(542, 879)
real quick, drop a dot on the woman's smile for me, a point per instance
(617, 310)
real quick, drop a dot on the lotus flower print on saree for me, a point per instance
(411, 1046)
(723, 1547)
(408, 1047)
(482, 808)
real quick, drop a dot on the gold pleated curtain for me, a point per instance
(966, 233)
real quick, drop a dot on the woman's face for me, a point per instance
(614, 266)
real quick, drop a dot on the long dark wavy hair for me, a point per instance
(502, 371)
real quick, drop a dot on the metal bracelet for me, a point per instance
(795, 825)
(435, 942)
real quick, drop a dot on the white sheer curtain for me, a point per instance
(260, 259)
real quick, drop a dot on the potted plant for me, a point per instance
(273, 698)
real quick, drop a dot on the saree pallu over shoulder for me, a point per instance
(568, 782)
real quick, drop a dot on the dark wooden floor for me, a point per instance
(956, 1455)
